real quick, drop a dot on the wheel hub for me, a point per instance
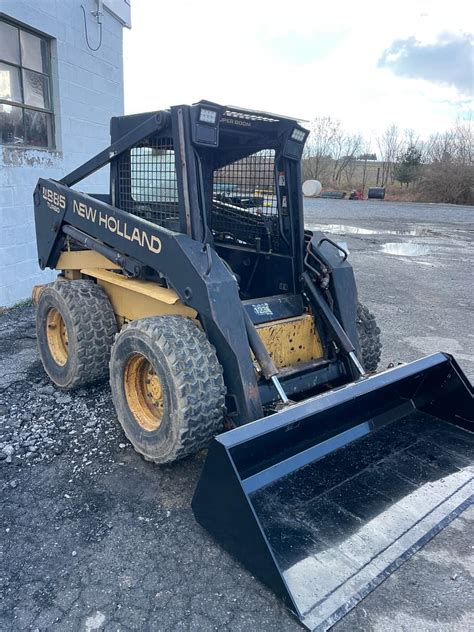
(144, 392)
(56, 334)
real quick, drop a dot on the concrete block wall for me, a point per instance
(87, 91)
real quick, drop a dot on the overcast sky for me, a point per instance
(367, 63)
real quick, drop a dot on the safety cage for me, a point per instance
(147, 184)
(246, 202)
(242, 188)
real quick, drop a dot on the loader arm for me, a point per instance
(197, 274)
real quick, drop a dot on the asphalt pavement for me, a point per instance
(414, 269)
(94, 538)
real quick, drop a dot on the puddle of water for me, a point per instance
(405, 250)
(341, 229)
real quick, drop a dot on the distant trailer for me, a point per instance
(376, 193)
(335, 195)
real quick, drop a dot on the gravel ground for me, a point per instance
(94, 538)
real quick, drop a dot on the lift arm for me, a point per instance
(197, 274)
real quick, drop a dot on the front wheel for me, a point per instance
(167, 387)
(369, 338)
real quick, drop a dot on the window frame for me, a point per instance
(24, 106)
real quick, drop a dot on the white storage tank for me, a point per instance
(311, 188)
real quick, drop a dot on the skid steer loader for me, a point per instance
(222, 323)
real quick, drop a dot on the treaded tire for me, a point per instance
(91, 327)
(369, 338)
(191, 385)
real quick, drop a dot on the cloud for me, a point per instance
(449, 60)
(303, 62)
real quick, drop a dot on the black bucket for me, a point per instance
(323, 500)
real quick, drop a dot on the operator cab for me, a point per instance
(241, 193)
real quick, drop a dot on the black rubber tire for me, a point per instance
(91, 328)
(192, 385)
(369, 338)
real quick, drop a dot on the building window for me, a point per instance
(26, 116)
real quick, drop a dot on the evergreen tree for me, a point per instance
(408, 165)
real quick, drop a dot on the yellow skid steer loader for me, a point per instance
(220, 322)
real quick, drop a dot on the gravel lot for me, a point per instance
(94, 538)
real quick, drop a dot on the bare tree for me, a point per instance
(411, 139)
(330, 151)
(444, 162)
(317, 155)
(366, 147)
(351, 147)
(389, 146)
(448, 175)
(337, 148)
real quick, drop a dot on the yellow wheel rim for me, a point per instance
(143, 392)
(56, 334)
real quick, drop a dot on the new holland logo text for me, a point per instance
(117, 226)
(55, 201)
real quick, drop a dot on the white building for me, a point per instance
(61, 80)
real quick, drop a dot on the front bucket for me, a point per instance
(323, 500)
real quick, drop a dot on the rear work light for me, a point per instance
(298, 135)
(208, 116)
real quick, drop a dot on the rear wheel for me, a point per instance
(167, 387)
(369, 338)
(75, 328)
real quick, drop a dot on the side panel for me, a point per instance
(132, 299)
(78, 259)
(292, 341)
